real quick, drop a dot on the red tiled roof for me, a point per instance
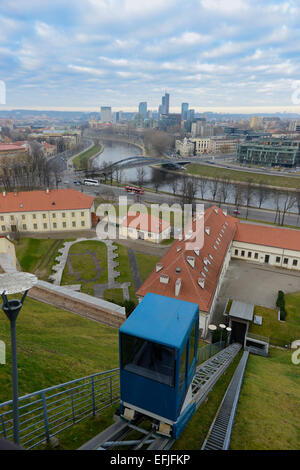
(145, 222)
(175, 265)
(58, 199)
(268, 236)
(6, 147)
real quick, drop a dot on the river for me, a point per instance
(116, 151)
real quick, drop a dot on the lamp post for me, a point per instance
(229, 330)
(15, 283)
(211, 328)
(222, 326)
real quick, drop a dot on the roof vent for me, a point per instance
(47, 191)
(197, 251)
(201, 282)
(164, 279)
(4, 193)
(207, 230)
(21, 205)
(191, 260)
(211, 257)
(178, 248)
(159, 266)
(206, 261)
(224, 212)
(177, 286)
(178, 269)
(216, 210)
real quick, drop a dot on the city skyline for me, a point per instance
(215, 55)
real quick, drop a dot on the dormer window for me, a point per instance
(158, 267)
(191, 261)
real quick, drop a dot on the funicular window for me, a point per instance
(192, 346)
(182, 370)
(151, 360)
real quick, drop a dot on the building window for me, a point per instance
(82, 214)
(3, 228)
(34, 216)
(295, 262)
(236, 252)
(24, 227)
(73, 224)
(249, 254)
(54, 225)
(285, 260)
(242, 253)
(64, 224)
(44, 216)
(54, 215)
(82, 223)
(11, 217)
(35, 226)
(23, 217)
(73, 214)
(64, 214)
(256, 255)
(277, 259)
(45, 225)
(1, 218)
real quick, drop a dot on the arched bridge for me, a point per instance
(136, 161)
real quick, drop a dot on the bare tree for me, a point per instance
(140, 175)
(174, 185)
(213, 186)
(262, 194)
(224, 189)
(248, 194)
(288, 202)
(238, 195)
(202, 184)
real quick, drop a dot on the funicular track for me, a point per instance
(137, 435)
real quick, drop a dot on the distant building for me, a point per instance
(184, 110)
(185, 147)
(190, 114)
(202, 145)
(143, 109)
(12, 153)
(145, 227)
(106, 115)
(256, 123)
(270, 152)
(45, 211)
(7, 253)
(223, 145)
(165, 104)
(294, 126)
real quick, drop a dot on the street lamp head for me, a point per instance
(16, 283)
(212, 327)
(222, 326)
(228, 328)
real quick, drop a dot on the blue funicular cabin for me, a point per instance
(158, 354)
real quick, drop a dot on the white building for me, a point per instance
(106, 115)
(202, 145)
(185, 147)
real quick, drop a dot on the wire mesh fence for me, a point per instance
(209, 350)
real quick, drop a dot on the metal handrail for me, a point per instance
(47, 412)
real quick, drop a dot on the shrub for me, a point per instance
(280, 303)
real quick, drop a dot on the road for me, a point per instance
(262, 215)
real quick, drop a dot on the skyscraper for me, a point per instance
(184, 111)
(165, 104)
(106, 115)
(143, 109)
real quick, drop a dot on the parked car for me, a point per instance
(236, 212)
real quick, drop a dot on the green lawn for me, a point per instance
(146, 264)
(55, 346)
(268, 414)
(84, 265)
(235, 175)
(125, 270)
(81, 161)
(30, 252)
(286, 331)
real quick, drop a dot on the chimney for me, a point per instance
(164, 279)
(207, 230)
(177, 286)
(191, 260)
(47, 191)
(201, 282)
(4, 193)
(158, 267)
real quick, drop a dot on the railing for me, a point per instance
(264, 339)
(45, 413)
(209, 350)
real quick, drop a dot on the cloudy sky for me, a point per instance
(214, 54)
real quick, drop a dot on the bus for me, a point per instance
(90, 182)
(133, 189)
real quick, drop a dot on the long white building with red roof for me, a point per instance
(45, 211)
(197, 275)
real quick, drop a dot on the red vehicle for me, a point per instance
(236, 212)
(133, 189)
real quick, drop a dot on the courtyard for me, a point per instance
(254, 283)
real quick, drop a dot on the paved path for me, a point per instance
(134, 269)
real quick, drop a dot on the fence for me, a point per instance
(47, 412)
(209, 350)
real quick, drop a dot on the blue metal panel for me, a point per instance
(161, 319)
